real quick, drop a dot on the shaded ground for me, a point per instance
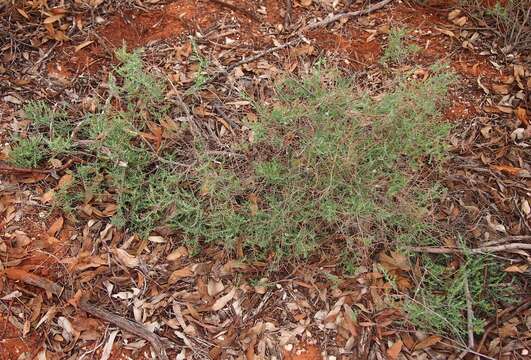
(304, 307)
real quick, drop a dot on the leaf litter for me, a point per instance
(211, 306)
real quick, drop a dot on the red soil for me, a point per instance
(304, 352)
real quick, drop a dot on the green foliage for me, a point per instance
(397, 51)
(332, 162)
(50, 135)
(201, 77)
(28, 153)
(335, 163)
(440, 302)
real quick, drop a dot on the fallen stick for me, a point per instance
(486, 249)
(237, 9)
(17, 170)
(321, 23)
(333, 18)
(287, 15)
(469, 318)
(130, 326)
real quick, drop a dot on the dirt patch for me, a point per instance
(171, 22)
(304, 352)
(12, 345)
(352, 42)
(138, 28)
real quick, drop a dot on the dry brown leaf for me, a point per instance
(501, 89)
(460, 21)
(52, 19)
(222, 301)
(214, 287)
(428, 342)
(125, 258)
(306, 3)
(394, 350)
(56, 226)
(517, 268)
(83, 45)
(23, 13)
(178, 253)
(454, 14)
(65, 180)
(508, 330)
(179, 274)
(521, 114)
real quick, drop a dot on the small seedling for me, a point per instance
(397, 51)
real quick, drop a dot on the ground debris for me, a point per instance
(75, 283)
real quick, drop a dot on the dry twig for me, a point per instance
(480, 250)
(469, 317)
(504, 316)
(287, 15)
(16, 170)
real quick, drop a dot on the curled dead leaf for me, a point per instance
(428, 342)
(83, 45)
(521, 115)
(52, 19)
(222, 301)
(214, 287)
(454, 14)
(178, 253)
(501, 89)
(395, 350)
(180, 273)
(56, 226)
(460, 21)
(125, 258)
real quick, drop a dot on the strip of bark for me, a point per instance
(34, 280)
(125, 324)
